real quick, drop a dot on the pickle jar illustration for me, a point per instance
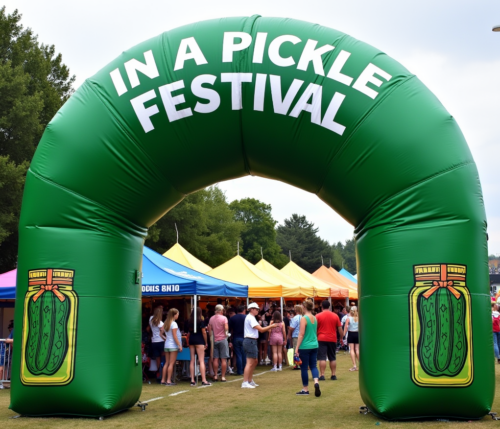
(441, 327)
(49, 328)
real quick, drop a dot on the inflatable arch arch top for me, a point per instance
(281, 99)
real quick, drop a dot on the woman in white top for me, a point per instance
(157, 339)
(173, 345)
(351, 326)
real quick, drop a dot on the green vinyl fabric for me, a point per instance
(281, 99)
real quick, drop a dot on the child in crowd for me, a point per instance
(277, 337)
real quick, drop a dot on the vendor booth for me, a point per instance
(301, 289)
(260, 284)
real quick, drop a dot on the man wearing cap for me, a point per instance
(251, 332)
(218, 326)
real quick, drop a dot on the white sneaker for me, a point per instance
(279, 369)
(1, 387)
(273, 369)
(253, 384)
(247, 385)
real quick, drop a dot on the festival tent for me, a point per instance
(348, 275)
(260, 284)
(8, 285)
(180, 255)
(332, 276)
(291, 288)
(321, 288)
(162, 276)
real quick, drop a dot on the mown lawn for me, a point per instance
(226, 405)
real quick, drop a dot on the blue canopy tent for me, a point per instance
(162, 276)
(348, 275)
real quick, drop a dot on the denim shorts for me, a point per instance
(250, 347)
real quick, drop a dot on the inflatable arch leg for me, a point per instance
(280, 99)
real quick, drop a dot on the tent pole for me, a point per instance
(281, 305)
(347, 302)
(194, 314)
(247, 302)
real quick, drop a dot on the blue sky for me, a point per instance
(449, 45)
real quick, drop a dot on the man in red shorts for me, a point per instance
(328, 326)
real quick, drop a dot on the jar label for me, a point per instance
(441, 327)
(49, 328)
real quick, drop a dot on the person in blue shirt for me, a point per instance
(236, 327)
(293, 332)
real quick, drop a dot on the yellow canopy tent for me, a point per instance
(353, 287)
(321, 289)
(180, 255)
(239, 270)
(291, 288)
(328, 276)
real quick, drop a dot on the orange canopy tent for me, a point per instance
(328, 276)
(349, 283)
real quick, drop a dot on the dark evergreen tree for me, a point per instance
(300, 237)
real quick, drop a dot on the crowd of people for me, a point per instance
(236, 339)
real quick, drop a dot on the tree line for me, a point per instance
(210, 228)
(35, 83)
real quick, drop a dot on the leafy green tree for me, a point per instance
(206, 225)
(259, 232)
(349, 256)
(337, 258)
(34, 84)
(299, 236)
(344, 256)
(12, 179)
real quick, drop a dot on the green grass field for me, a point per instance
(225, 405)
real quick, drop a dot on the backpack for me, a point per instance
(496, 323)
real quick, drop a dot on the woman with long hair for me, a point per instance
(263, 337)
(173, 345)
(277, 337)
(307, 348)
(197, 345)
(351, 326)
(157, 339)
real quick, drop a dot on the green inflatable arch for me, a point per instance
(270, 97)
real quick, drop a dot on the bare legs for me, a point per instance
(277, 355)
(322, 367)
(354, 350)
(168, 368)
(223, 367)
(263, 351)
(200, 351)
(249, 369)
